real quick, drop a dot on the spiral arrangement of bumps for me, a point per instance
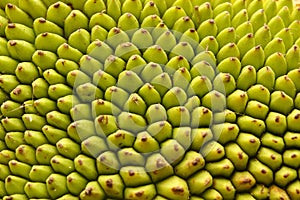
(149, 99)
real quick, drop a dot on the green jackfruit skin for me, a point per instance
(149, 99)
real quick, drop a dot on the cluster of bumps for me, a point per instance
(149, 99)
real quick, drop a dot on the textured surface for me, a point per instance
(149, 99)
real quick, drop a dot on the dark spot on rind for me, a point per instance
(228, 188)
(226, 167)
(88, 191)
(56, 5)
(144, 139)
(9, 5)
(12, 43)
(70, 179)
(139, 193)
(177, 189)
(50, 180)
(131, 173)
(219, 150)
(246, 180)
(195, 161)
(160, 163)
(42, 20)
(109, 183)
(11, 25)
(286, 175)
(240, 155)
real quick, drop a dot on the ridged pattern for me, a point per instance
(149, 99)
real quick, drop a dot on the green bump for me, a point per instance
(237, 101)
(285, 175)
(256, 51)
(56, 185)
(291, 158)
(134, 175)
(212, 151)
(76, 183)
(247, 77)
(281, 102)
(91, 146)
(15, 185)
(141, 192)
(225, 132)
(36, 190)
(129, 156)
(39, 173)
(173, 187)
(292, 190)
(272, 141)
(86, 166)
(158, 167)
(276, 123)
(92, 191)
(202, 178)
(112, 185)
(261, 172)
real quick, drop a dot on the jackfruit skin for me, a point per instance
(149, 99)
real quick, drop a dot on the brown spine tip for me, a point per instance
(211, 21)
(80, 162)
(250, 35)
(56, 5)
(109, 183)
(42, 20)
(88, 191)
(144, 139)
(17, 91)
(205, 110)
(219, 151)
(195, 161)
(131, 173)
(50, 180)
(257, 47)
(13, 43)
(228, 188)
(44, 34)
(103, 119)
(177, 189)
(186, 19)
(275, 141)
(184, 44)
(73, 14)
(139, 193)
(286, 175)
(176, 148)
(151, 3)
(11, 25)
(240, 155)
